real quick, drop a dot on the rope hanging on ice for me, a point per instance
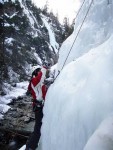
(78, 33)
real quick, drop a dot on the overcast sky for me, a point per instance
(64, 8)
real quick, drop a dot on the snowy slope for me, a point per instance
(84, 87)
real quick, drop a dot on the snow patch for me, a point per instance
(53, 42)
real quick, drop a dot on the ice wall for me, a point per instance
(96, 29)
(81, 96)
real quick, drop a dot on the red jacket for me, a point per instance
(37, 87)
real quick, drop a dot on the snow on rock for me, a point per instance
(14, 92)
(39, 61)
(23, 147)
(11, 93)
(53, 42)
(3, 109)
(13, 75)
(8, 0)
(11, 15)
(102, 139)
(9, 41)
(30, 16)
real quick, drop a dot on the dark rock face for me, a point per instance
(24, 33)
(19, 115)
(17, 125)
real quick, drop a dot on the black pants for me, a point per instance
(35, 136)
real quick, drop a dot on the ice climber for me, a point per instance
(38, 90)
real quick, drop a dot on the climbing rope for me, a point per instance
(79, 10)
(77, 33)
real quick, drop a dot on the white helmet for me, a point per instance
(35, 67)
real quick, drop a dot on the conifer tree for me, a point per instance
(68, 29)
(46, 7)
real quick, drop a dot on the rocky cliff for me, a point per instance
(29, 36)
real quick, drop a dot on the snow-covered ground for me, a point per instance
(11, 93)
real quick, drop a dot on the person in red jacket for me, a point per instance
(38, 91)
